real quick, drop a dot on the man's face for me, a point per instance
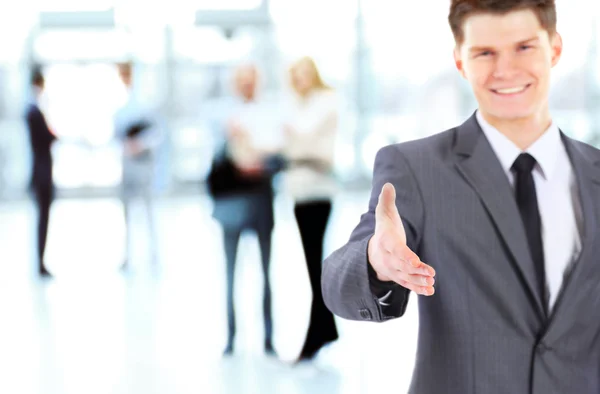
(507, 60)
(246, 80)
(125, 77)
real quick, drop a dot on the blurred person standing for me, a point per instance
(241, 185)
(2, 168)
(311, 130)
(41, 139)
(137, 128)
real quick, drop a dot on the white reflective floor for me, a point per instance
(161, 329)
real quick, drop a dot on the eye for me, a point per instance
(484, 53)
(524, 47)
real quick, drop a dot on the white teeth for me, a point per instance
(511, 90)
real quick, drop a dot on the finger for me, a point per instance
(394, 263)
(415, 280)
(421, 290)
(386, 206)
(418, 267)
(386, 212)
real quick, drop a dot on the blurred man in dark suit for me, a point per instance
(41, 138)
(248, 204)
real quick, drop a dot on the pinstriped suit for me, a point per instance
(484, 330)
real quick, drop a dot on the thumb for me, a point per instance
(386, 208)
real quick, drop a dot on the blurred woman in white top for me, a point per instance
(311, 129)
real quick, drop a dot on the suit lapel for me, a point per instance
(479, 165)
(588, 183)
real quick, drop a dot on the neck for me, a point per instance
(37, 92)
(306, 94)
(523, 132)
(248, 99)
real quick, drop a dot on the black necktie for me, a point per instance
(528, 206)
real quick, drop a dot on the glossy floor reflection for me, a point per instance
(161, 328)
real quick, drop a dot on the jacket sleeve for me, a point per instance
(350, 287)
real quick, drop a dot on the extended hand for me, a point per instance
(388, 253)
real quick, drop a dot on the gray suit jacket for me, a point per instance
(484, 330)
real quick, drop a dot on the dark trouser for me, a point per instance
(231, 238)
(43, 200)
(312, 218)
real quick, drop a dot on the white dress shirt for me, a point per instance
(557, 195)
(261, 121)
(261, 118)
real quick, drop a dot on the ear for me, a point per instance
(557, 47)
(458, 62)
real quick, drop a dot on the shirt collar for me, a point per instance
(544, 150)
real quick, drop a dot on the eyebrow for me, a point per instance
(482, 49)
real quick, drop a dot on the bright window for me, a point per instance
(227, 4)
(75, 5)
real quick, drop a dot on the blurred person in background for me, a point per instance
(41, 139)
(137, 127)
(311, 129)
(3, 165)
(241, 185)
(2, 169)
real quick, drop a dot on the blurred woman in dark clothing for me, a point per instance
(311, 131)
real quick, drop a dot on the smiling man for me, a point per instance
(493, 223)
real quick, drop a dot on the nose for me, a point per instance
(505, 66)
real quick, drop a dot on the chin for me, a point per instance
(511, 114)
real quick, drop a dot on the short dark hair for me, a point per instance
(461, 9)
(37, 76)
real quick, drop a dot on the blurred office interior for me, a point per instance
(161, 329)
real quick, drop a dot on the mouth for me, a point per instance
(511, 91)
